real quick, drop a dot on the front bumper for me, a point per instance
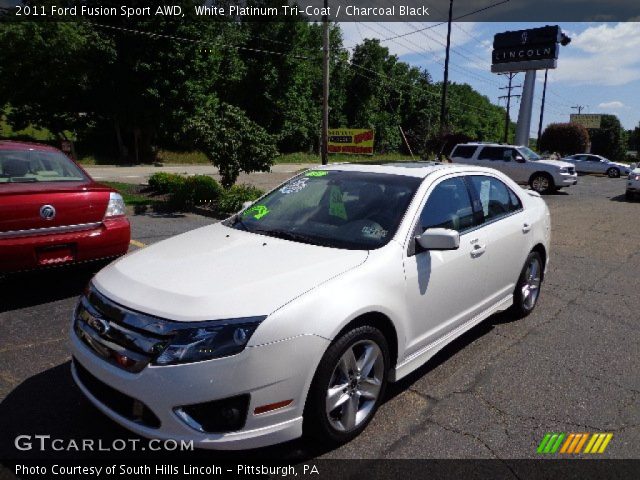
(109, 239)
(268, 374)
(565, 179)
(633, 186)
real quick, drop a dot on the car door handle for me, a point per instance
(477, 250)
(526, 228)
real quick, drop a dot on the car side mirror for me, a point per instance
(439, 239)
(633, 166)
(519, 159)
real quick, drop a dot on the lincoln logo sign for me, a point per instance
(532, 49)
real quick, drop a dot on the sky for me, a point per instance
(599, 69)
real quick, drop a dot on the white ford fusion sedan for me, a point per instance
(293, 315)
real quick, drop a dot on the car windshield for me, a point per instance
(338, 209)
(529, 154)
(20, 166)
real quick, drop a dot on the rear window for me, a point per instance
(20, 166)
(463, 151)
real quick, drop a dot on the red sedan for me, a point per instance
(53, 213)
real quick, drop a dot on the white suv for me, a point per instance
(522, 164)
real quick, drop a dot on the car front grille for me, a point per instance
(127, 339)
(572, 170)
(115, 400)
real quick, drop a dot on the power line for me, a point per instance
(443, 23)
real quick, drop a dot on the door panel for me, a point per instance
(445, 288)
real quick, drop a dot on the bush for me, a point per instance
(163, 182)
(196, 190)
(232, 198)
(564, 138)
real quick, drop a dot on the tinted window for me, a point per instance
(37, 166)
(496, 153)
(448, 206)
(496, 198)
(351, 210)
(463, 151)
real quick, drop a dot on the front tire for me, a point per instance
(348, 386)
(527, 291)
(542, 183)
(613, 173)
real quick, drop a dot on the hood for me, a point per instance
(217, 272)
(555, 163)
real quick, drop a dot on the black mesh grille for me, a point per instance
(119, 402)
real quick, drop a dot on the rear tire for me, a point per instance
(613, 173)
(527, 291)
(542, 183)
(351, 378)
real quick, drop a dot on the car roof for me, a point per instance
(409, 169)
(489, 144)
(15, 145)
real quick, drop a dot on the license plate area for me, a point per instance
(56, 254)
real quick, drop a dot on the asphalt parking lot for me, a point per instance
(572, 366)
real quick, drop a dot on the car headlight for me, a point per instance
(115, 207)
(564, 170)
(211, 340)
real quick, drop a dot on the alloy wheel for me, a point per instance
(355, 385)
(540, 183)
(531, 286)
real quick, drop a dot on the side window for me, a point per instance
(492, 153)
(496, 198)
(448, 206)
(463, 151)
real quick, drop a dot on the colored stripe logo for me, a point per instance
(568, 443)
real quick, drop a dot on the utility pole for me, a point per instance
(443, 103)
(544, 95)
(579, 108)
(507, 119)
(324, 147)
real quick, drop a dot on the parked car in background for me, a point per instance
(53, 213)
(520, 163)
(589, 163)
(633, 184)
(292, 315)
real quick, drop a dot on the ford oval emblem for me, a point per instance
(47, 212)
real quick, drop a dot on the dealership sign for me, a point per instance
(587, 120)
(521, 50)
(351, 140)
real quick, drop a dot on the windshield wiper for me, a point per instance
(296, 237)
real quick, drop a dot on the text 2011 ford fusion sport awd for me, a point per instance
(292, 316)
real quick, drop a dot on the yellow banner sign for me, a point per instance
(351, 140)
(587, 120)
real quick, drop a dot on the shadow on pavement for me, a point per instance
(20, 290)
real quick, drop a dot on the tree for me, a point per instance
(608, 140)
(633, 139)
(564, 138)
(232, 142)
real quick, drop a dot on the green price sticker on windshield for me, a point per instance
(258, 211)
(317, 173)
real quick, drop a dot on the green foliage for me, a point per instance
(233, 142)
(564, 138)
(232, 198)
(164, 182)
(245, 92)
(609, 139)
(198, 190)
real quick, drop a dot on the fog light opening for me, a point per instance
(272, 406)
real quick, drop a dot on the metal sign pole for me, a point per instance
(526, 107)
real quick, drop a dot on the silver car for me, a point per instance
(589, 163)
